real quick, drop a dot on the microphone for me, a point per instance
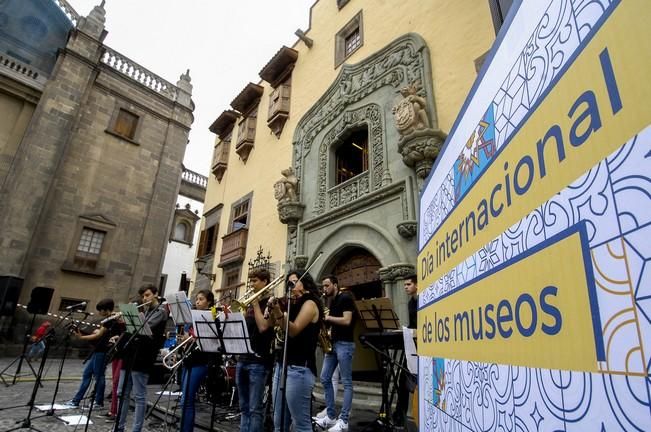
(76, 305)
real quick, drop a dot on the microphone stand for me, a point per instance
(66, 345)
(129, 365)
(283, 375)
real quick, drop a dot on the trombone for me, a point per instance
(243, 302)
(190, 341)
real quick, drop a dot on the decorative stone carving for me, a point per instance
(290, 213)
(396, 271)
(420, 148)
(300, 261)
(410, 112)
(407, 229)
(285, 188)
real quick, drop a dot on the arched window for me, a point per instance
(352, 156)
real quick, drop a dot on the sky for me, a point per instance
(224, 44)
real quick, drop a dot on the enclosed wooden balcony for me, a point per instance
(245, 136)
(220, 160)
(278, 108)
(233, 247)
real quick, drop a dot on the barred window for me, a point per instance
(91, 241)
(353, 41)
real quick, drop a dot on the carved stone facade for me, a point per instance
(375, 210)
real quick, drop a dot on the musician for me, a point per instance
(341, 321)
(253, 370)
(96, 363)
(306, 311)
(197, 362)
(140, 357)
(400, 414)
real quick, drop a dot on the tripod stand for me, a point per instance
(22, 357)
(26, 423)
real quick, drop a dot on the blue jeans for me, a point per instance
(298, 391)
(197, 374)
(137, 381)
(95, 367)
(342, 355)
(250, 379)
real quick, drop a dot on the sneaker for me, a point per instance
(71, 404)
(98, 406)
(340, 426)
(325, 422)
(322, 414)
(106, 415)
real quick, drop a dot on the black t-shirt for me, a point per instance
(412, 307)
(260, 342)
(301, 348)
(112, 328)
(343, 302)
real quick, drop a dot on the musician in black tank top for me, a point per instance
(306, 313)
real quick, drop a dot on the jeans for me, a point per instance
(341, 355)
(189, 389)
(298, 392)
(250, 379)
(35, 350)
(95, 367)
(137, 381)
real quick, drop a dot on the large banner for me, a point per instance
(535, 236)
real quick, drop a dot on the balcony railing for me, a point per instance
(194, 178)
(233, 247)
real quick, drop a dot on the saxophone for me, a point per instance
(325, 342)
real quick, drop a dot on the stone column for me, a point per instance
(31, 177)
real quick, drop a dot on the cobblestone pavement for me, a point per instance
(14, 409)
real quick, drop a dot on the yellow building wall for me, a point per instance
(456, 31)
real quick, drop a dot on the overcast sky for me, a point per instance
(223, 43)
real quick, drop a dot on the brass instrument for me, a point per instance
(171, 355)
(325, 340)
(248, 298)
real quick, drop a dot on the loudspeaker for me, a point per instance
(10, 287)
(39, 303)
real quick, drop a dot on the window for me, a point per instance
(349, 39)
(181, 232)
(353, 41)
(231, 283)
(126, 124)
(499, 11)
(66, 302)
(208, 239)
(352, 156)
(240, 215)
(89, 247)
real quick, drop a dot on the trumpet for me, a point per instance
(189, 341)
(248, 298)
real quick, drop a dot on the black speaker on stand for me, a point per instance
(10, 287)
(39, 304)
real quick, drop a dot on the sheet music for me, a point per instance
(235, 334)
(410, 350)
(180, 308)
(134, 319)
(205, 329)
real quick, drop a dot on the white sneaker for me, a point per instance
(322, 414)
(340, 426)
(325, 422)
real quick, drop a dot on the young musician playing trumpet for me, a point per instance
(253, 369)
(306, 311)
(198, 362)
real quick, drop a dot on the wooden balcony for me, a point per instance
(245, 137)
(220, 160)
(233, 247)
(278, 108)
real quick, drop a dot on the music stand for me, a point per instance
(378, 316)
(135, 320)
(180, 308)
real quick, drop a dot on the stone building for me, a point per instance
(91, 150)
(184, 235)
